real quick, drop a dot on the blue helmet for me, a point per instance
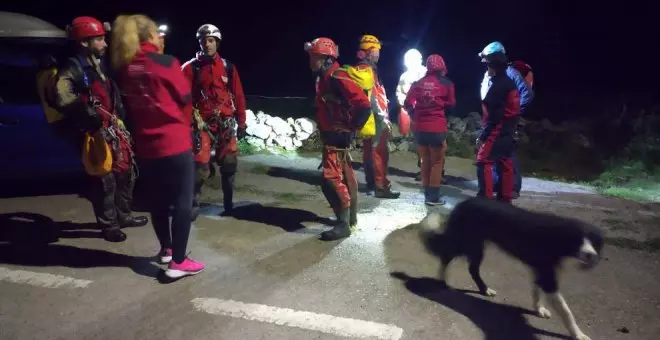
(491, 48)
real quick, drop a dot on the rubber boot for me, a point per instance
(433, 197)
(352, 220)
(387, 192)
(228, 180)
(341, 230)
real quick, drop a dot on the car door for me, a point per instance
(29, 147)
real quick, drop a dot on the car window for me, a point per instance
(18, 85)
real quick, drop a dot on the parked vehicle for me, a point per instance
(29, 148)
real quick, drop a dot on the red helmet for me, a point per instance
(324, 46)
(87, 27)
(434, 62)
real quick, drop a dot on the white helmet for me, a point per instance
(208, 30)
(412, 58)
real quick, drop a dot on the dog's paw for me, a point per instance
(490, 292)
(543, 312)
(581, 336)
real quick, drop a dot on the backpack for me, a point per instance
(47, 87)
(364, 78)
(96, 155)
(46, 79)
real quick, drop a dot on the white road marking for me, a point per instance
(351, 328)
(44, 280)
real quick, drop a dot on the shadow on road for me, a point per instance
(289, 219)
(27, 239)
(24, 227)
(310, 177)
(497, 321)
(390, 170)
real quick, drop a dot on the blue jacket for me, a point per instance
(526, 92)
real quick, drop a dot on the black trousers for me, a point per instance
(169, 182)
(112, 198)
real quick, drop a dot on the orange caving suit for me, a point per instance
(375, 149)
(219, 112)
(342, 108)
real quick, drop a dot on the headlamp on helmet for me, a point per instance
(162, 30)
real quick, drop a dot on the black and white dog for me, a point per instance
(541, 241)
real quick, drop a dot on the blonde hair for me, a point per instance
(128, 31)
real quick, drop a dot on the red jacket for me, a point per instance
(215, 92)
(427, 99)
(341, 105)
(156, 97)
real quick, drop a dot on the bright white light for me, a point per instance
(163, 28)
(412, 59)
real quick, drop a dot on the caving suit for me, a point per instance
(501, 110)
(90, 100)
(342, 107)
(375, 149)
(219, 120)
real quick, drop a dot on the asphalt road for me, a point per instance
(269, 277)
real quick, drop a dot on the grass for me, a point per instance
(631, 181)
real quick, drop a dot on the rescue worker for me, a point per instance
(162, 34)
(526, 97)
(219, 114)
(415, 70)
(161, 126)
(495, 143)
(375, 150)
(92, 101)
(429, 98)
(342, 108)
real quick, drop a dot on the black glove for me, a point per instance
(240, 134)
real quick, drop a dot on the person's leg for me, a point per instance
(227, 155)
(505, 169)
(202, 169)
(337, 193)
(183, 190)
(485, 178)
(157, 180)
(124, 198)
(105, 209)
(351, 183)
(381, 159)
(436, 161)
(368, 163)
(517, 185)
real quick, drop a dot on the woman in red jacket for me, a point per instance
(156, 96)
(427, 100)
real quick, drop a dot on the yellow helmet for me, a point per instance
(368, 42)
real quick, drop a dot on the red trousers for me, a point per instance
(487, 157)
(432, 161)
(339, 184)
(223, 148)
(376, 158)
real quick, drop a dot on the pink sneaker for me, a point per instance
(185, 268)
(165, 255)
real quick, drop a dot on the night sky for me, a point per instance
(584, 53)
